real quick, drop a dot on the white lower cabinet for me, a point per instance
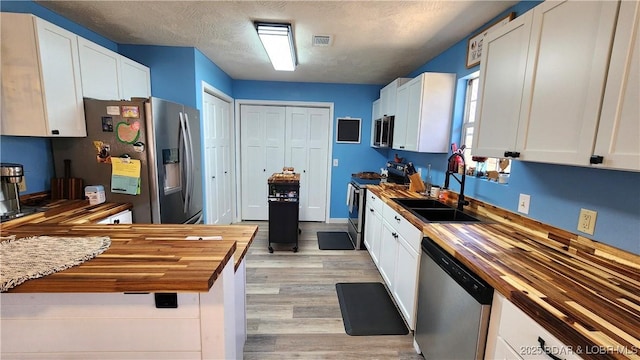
(123, 217)
(514, 335)
(399, 261)
(406, 280)
(373, 230)
(388, 251)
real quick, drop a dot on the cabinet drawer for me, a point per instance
(375, 202)
(123, 217)
(410, 233)
(521, 333)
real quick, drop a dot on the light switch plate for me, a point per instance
(523, 203)
(335, 162)
(587, 221)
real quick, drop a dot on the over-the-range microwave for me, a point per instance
(383, 132)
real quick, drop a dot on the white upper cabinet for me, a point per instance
(503, 65)
(388, 97)
(135, 79)
(617, 140)
(424, 112)
(555, 102)
(99, 67)
(41, 86)
(107, 75)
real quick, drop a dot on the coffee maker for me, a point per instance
(10, 178)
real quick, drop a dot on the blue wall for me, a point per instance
(349, 100)
(557, 192)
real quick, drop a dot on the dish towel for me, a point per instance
(34, 257)
(350, 196)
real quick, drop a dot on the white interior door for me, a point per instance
(262, 144)
(307, 151)
(218, 171)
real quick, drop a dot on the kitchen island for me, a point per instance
(107, 307)
(583, 292)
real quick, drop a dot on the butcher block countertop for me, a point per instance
(77, 212)
(585, 293)
(69, 212)
(142, 257)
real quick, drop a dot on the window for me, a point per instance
(489, 164)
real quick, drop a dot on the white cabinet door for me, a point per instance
(41, 85)
(307, 151)
(503, 351)
(502, 71)
(375, 114)
(406, 280)
(135, 79)
(402, 117)
(388, 254)
(565, 77)
(373, 232)
(262, 138)
(617, 139)
(99, 68)
(218, 171)
(425, 108)
(388, 97)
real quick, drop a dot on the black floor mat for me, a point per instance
(334, 240)
(367, 309)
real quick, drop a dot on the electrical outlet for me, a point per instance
(587, 221)
(523, 203)
(335, 162)
(22, 186)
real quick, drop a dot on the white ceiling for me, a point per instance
(374, 42)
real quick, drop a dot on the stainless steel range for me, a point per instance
(356, 200)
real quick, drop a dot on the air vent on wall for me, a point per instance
(322, 40)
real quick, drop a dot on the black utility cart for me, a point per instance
(284, 190)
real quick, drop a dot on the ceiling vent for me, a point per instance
(322, 40)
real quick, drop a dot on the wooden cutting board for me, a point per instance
(67, 187)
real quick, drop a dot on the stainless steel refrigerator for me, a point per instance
(164, 136)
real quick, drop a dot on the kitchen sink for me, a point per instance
(412, 203)
(443, 215)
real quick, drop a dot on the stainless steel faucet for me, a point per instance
(461, 200)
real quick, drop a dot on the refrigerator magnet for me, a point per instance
(107, 124)
(138, 147)
(127, 133)
(113, 110)
(130, 111)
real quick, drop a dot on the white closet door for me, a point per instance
(262, 139)
(217, 135)
(307, 136)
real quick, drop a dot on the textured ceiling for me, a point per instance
(374, 42)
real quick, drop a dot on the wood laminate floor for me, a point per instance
(292, 306)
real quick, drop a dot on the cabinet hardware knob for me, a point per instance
(55, 132)
(397, 218)
(546, 350)
(596, 159)
(225, 172)
(264, 170)
(116, 221)
(371, 210)
(401, 147)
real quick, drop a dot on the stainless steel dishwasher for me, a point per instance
(453, 307)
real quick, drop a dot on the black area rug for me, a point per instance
(334, 240)
(367, 309)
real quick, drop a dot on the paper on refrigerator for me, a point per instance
(125, 176)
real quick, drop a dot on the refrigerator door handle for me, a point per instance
(191, 165)
(184, 165)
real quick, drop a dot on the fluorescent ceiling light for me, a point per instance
(277, 39)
